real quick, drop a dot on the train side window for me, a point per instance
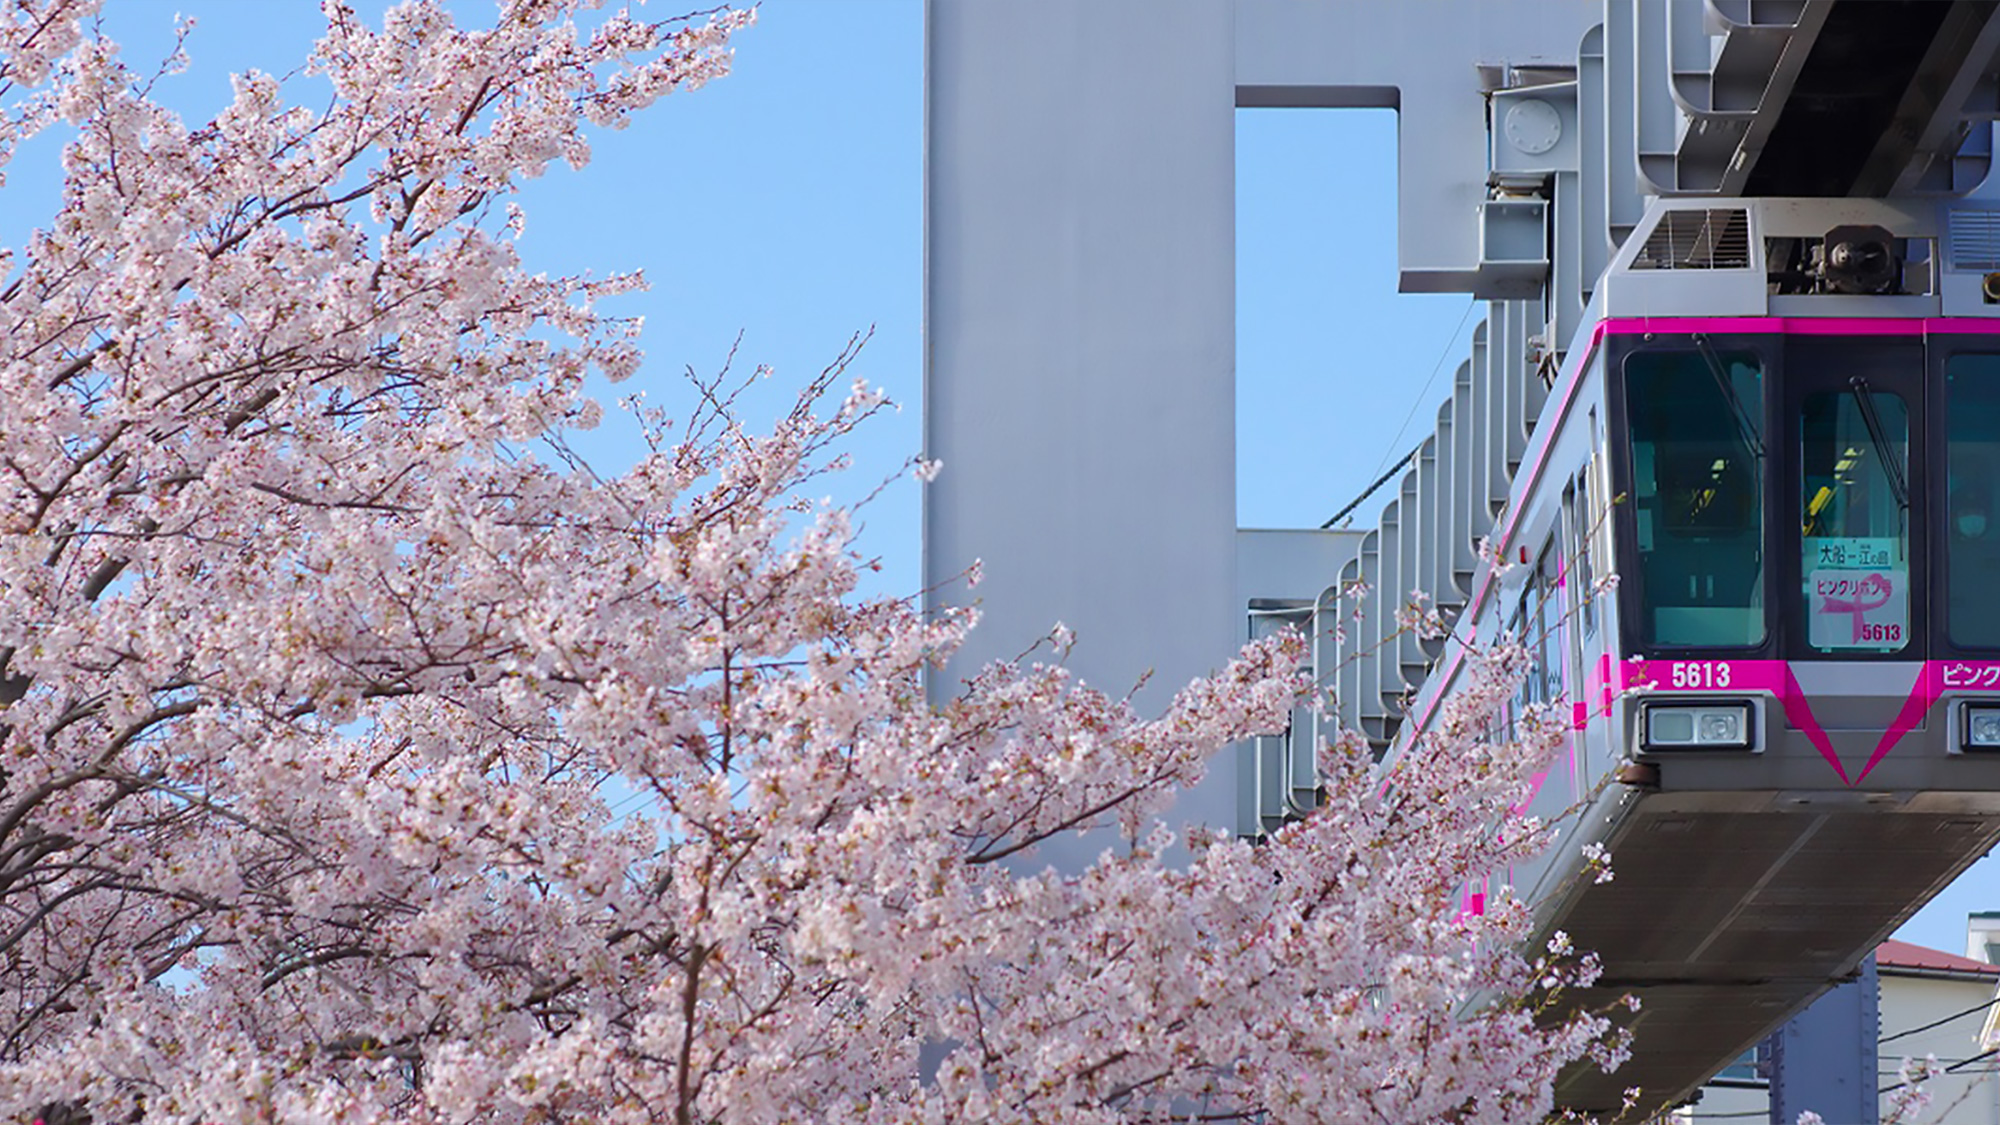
(1696, 421)
(1578, 580)
(1518, 625)
(1582, 575)
(1972, 538)
(1548, 639)
(1536, 626)
(1855, 555)
(1599, 501)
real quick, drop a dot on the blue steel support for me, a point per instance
(1824, 1059)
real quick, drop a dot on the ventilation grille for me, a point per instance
(1975, 240)
(1716, 239)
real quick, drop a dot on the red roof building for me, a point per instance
(1894, 955)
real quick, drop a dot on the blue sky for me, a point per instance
(784, 203)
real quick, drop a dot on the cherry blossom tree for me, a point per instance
(366, 755)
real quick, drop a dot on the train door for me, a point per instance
(1855, 575)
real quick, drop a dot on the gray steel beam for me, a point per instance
(1931, 122)
(1824, 1060)
(1418, 57)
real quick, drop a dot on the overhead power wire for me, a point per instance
(1952, 1069)
(1370, 490)
(1422, 397)
(1976, 1008)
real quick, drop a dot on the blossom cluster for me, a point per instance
(366, 758)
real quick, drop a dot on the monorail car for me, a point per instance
(1779, 425)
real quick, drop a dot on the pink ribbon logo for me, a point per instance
(1877, 586)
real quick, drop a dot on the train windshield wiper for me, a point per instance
(1891, 465)
(1745, 428)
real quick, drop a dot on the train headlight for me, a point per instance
(1704, 726)
(1982, 727)
(1720, 726)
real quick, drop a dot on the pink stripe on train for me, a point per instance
(1774, 676)
(1798, 326)
(1933, 679)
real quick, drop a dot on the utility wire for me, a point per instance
(1370, 490)
(1423, 395)
(1952, 1069)
(1959, 1065)
(1962, 1063)
(1940, 1023)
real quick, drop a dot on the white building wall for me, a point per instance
(1970, 1096)
(1982, 937)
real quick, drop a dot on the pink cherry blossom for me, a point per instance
(365, 757)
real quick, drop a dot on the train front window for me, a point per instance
(1697, 449)
(1972, 461)
(1855, 504)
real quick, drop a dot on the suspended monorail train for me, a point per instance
(1779, 426)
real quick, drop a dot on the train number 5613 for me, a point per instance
(1700, 674)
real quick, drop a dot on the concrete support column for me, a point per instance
(1080, 334)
